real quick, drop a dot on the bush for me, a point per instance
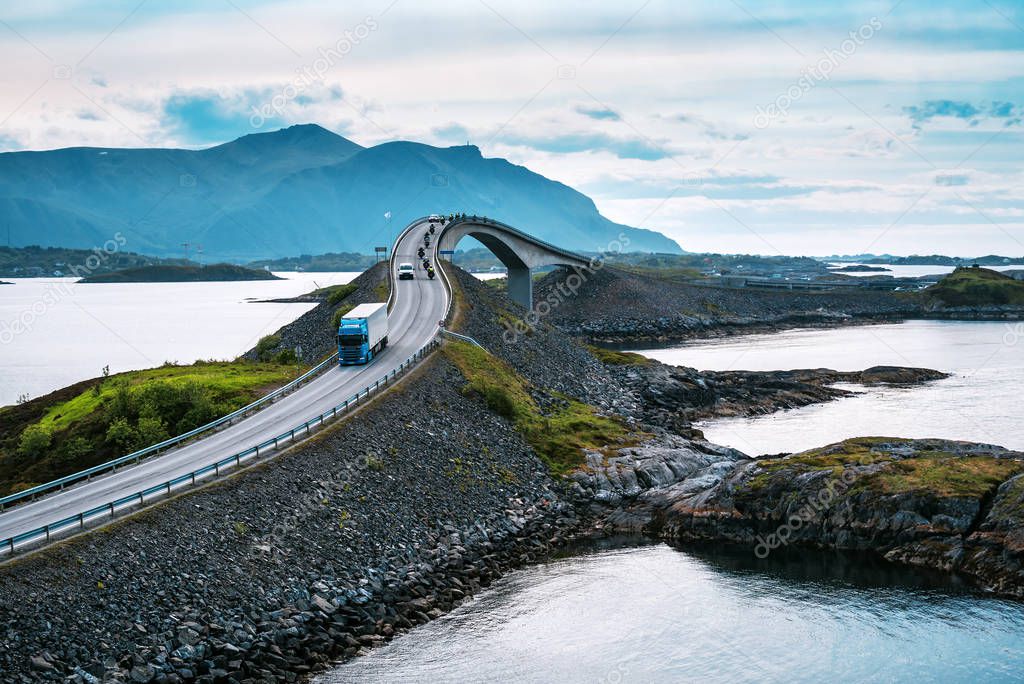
(285, 357)
(266, 345)
(74, 451)
(150, 430)
(339, 293)
(121, 435)
(35, 439)
(338, 315)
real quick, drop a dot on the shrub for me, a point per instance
(339, 293)
(121, 434)
(338, 315)
(285, 357)
(266, 345)
(150, 430)
(35, 439)
(74, 450)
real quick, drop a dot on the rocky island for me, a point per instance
(181, 274)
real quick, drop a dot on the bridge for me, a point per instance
(518, 251)
(81, 500)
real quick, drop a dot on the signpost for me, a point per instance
(381, 253)
(450, 253)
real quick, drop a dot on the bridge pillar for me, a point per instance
(520, 286)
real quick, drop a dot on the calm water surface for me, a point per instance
(73, 330)
(656, 614)
(979, 402)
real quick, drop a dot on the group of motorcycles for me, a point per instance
(423, 254)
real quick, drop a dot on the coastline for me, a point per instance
(394, 517)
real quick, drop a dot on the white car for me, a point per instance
(406, 272)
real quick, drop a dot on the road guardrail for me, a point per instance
(111, 508)
(137, 456)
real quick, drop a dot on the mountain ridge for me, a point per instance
(298, 190)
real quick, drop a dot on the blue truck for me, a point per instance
(362, 333)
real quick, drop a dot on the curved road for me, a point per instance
(419, 305)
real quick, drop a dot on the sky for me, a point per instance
(730, 126)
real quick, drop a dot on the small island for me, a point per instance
(861, 268)
(977, 286)
(181, 274)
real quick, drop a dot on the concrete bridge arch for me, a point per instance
(518, 251)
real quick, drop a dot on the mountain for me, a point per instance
(299, 190)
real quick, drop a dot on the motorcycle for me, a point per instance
(430, 273)
(431, 228)
(426, 264)
(421, 252)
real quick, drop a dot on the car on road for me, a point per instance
(406, 272)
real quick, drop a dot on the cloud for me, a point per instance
(973, 114)
(206, 117)
(598, 113)
(708, 128)
(452, 132)
(623, 148)
(9, 144)
(951, 179)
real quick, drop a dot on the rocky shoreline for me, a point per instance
(614, 307)
(426, 495)
(952, 506)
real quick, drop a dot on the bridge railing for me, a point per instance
(137, 456)
(214, 470)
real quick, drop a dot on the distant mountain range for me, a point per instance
(299, 190)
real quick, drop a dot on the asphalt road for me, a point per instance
(419, 305)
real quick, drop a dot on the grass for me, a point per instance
(939, 473)
(950, 476)
(618, 358)
(117, 414)
(977, 287)
(228, 381)
(334, 294)
(560, 437)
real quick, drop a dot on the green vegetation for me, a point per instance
(977, 287)
(939, 473)
(945, 476)
(558, 437)
(332, 261)
(175, 274)
(339, 314)
(333, 294)
(618, 358)
(34, 261)
(57, 435)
